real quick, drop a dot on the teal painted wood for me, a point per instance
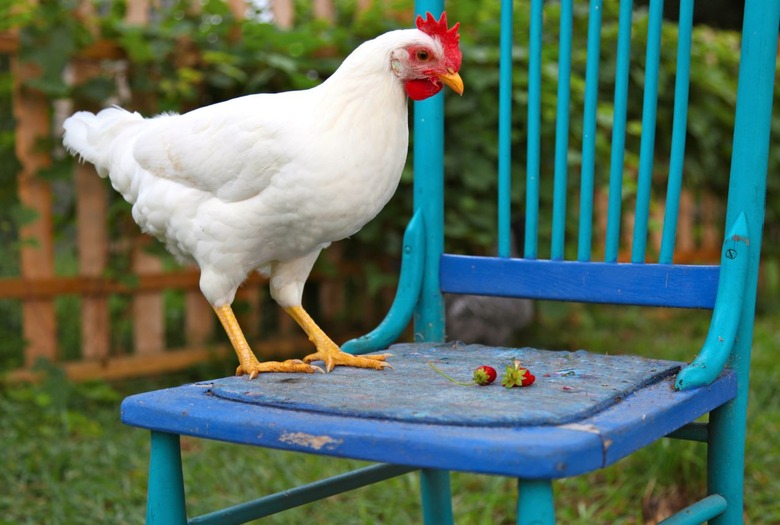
(617, 155)
(429, 198)
(505, 130)
(165, 503)
(728, 307)
(588, 169)
(436, 490)
(647, 143)
(698, 513)
(405, 301)
(301, 495)
(726, 457)
(561, 176)
(534, 130)
(692, 432)
(535, 505)
(679, 130)
(747, 189)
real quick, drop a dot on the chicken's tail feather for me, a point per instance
(89, 136)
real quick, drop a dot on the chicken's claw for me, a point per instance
(328, 351)
(337, 357)
(290, 366)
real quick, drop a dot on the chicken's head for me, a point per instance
(425, 66)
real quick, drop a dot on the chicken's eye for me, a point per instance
(423, 55)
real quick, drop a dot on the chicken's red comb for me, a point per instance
(448, 37)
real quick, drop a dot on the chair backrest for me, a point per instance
(566, 268)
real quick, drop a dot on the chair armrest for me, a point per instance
(409, 286)
(725, 316)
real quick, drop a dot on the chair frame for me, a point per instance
(715, 383)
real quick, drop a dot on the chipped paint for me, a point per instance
(582, 428)
(741, 238)
(592, 429)
(309, 441)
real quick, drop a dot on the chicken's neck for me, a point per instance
(364, 83)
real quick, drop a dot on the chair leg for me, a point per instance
(535, 502)
(165, 496)
(726, 460)
(436, 497)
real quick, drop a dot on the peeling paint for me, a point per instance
(582, 428)
(309, 441)
(741, 238)
(592, 429)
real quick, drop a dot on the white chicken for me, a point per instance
(265, 182)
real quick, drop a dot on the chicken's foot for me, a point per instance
(327, 350)
(247, 359)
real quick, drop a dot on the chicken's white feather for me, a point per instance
(262, 182)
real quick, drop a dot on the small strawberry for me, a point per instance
(517, 375)
(483, 376)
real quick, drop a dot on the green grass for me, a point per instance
(66, 458)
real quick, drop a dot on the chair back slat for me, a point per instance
(534, 130)
(617, 157)
(561, 177)
(505, 130)
(679, 127)
(678, 286)
(588, 168)
(628, 157)
(647, 144)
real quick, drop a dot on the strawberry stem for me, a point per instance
(448, 378)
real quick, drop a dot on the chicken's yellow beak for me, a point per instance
(452, 78)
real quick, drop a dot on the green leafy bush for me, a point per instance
(184, 59)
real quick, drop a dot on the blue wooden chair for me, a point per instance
(586, 411)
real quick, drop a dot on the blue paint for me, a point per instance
(532, 452)
(638, 284)
(571, 386)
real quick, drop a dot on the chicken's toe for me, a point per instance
(289, 366)
(339, 358)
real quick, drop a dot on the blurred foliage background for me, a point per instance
(185, 58)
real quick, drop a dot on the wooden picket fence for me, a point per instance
(272, 333)
(38, 286)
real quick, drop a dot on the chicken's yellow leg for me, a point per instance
(248, 362)
(329, 351)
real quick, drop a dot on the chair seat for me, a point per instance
(575, 418)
